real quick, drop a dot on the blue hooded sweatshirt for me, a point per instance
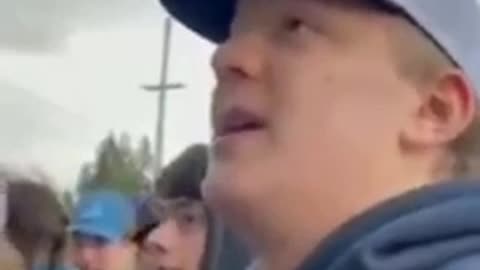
(433, 228)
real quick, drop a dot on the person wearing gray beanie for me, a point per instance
(175, 229)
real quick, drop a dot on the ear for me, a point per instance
(446, 109)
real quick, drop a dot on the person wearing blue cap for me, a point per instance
(102, 224)
(343, 130)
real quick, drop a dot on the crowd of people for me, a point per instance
(107, 230)
(345, 133)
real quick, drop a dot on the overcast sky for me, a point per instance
(70, 71)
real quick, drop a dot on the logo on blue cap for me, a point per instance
(105, 214)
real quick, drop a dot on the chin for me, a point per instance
(218, 190)
(228, 193)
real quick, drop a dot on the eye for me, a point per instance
(294, 31)
(188, 218)
(295, 25)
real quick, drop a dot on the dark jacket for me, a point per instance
(435, 228)
(233, 255)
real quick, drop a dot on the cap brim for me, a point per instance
(93, 231)
(210, 19)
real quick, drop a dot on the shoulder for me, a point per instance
(471, 262)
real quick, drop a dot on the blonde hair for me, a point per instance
(420, 60)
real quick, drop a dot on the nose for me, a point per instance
(85, 257)
(166, 236)
(242, 56)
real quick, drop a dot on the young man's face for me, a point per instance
(95, 253)
(179, 241)
(309, 110)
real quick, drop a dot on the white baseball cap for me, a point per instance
(454, 25)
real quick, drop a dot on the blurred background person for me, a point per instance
(36, 224)
(10, 259)
(175, 229)
(102, 224)
(179, 238)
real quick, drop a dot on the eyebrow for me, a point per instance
(376, 5)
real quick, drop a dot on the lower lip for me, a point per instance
(234, 139)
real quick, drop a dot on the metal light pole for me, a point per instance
(162, 88)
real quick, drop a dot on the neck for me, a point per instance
(281, 245)
(286, 248)
(283, 235)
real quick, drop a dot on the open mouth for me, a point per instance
(236, 121)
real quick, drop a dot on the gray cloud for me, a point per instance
(44, 25)
(28, 121)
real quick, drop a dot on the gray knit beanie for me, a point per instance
(182, 179)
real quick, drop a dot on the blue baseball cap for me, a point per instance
(454, 25)
(105, 214)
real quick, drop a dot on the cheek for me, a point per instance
(194, 248)
(330, 117)
(200, 242)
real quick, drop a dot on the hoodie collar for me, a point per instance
(418, 230)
